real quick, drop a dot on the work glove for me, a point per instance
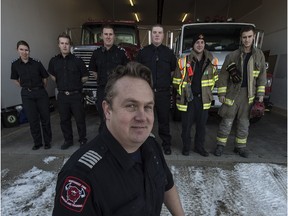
(234, 73)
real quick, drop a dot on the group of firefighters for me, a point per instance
(240, 83)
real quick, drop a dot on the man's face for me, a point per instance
(130, 117)
(157, 35)
(247, 38)
(23, 52)
(64, 45)
(199, 46)
(108, 37)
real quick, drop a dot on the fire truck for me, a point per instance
(126, 36)
(221, 39)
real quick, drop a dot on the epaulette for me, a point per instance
(37, 60)
(15, 60)
(89, 159)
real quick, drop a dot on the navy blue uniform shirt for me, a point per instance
(161, 61)
(68, 72)
(102, 179)
(30, 73)
(103, 61)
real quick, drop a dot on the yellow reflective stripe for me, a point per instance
(181, 107)
(261, 89)
(251, 100)
(222, 140)
(216, 77)
(222, 89)
(229, 101)
(209, 82)
(256, 73)
(241, 141)
(206, 106)
(176, 81)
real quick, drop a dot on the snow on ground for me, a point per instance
(248, 189)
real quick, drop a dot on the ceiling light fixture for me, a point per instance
(184, 18)
(136, 17)
(131, 3)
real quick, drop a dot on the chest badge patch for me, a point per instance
(74, 194)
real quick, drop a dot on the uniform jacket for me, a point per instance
(256, 76)
(181, 79)
(102, 179)
(103, 61)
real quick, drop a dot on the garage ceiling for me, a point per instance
(171, 12)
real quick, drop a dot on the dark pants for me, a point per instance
(36, 106)
(100, 98)
(162, 106)
(194, 113)
(72, 105)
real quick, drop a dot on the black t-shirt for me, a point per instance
(103, 61)
(198, 73)
(245, 63)
(68, 72)
(103, 179)
(161, 61)
(30, 74)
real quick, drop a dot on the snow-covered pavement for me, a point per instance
(245, 189)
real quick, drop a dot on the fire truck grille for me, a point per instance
(85, 56)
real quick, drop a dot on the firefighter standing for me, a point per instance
(69, 72)
(123, 170)
(30, 74)
(194, 80)
(242, 77)
(162, 62)
(104, 59)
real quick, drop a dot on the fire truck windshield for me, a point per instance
(91, 34)
(220, 37)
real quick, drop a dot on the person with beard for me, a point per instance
(194, 80)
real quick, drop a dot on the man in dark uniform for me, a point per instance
(103, 61)
(69, 73)
(30, 74)
(122, 171)
(162, 62)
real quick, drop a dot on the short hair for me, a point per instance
(157, 25)
(22, 42)
(246, 29)
(108, 26)
(64, 35)
(132, 69)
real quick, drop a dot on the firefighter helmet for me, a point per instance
(257, 110)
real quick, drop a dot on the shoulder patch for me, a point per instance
(152, 135)
(90, 158)
(74, 194)
(37, 60)
(15, 60)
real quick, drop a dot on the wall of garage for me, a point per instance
(39, 23)
(271, 16)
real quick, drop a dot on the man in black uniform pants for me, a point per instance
(122, 171)
(69, 73)
(30, 74)
(103, 61)
(162, 62)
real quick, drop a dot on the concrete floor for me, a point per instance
(267, 143)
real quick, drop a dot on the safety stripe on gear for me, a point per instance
(90, 158)
(229, 102)
(206, 106)
(216, 77)
(240, 140)
(176, 81)
(261, 89)
(222, 90)
(209, 82)
(251, 100)
(256, 73)
(222, 140)
(181, 107)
